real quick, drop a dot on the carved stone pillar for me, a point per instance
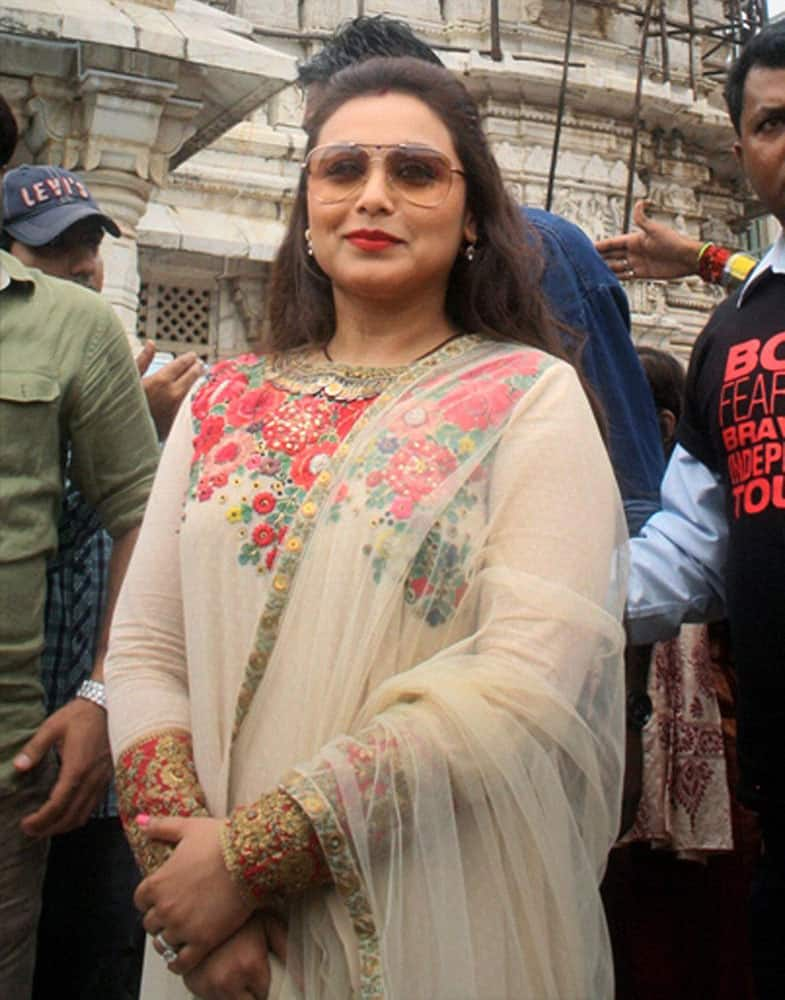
(120, 129)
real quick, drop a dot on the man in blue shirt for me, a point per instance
(581, 290)
(719, 542)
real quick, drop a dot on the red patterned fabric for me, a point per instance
(685, 803)
(270, 847)
(157, 776)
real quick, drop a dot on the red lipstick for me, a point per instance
(372, 240)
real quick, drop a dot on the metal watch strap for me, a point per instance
(93, 691)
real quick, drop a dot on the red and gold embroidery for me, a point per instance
(270, 848)
(157, 776)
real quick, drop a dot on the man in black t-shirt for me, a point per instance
(719, 540)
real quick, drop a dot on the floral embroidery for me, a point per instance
(271, 847)
(157, 775)
(405, 470)
(250, 434)
(438, 580)
(418, 468)
(352, 387)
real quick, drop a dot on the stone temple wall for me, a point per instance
(221, 213)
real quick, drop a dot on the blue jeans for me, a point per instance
(90, 936)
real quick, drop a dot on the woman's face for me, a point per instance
(376, 244)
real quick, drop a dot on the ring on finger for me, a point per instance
(167, 951)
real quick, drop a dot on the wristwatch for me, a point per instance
(93, 691)
(639, 710)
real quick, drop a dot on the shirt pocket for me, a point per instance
(29, 422)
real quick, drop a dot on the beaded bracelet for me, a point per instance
(711, 263)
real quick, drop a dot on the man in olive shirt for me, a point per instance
(67, 380)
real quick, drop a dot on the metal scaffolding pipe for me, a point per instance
(664, 47)
(496, 40)
(636, 115)
(560, 109)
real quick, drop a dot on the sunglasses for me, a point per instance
(419, 174)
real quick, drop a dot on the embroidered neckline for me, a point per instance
(297, 371)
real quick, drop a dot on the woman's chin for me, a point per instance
(382, 283)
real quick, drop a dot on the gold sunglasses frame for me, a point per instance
(378, 147)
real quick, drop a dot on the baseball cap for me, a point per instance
(40, 203)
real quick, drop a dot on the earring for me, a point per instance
(308, 243)
(468, 253)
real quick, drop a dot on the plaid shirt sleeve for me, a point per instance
(75, 602)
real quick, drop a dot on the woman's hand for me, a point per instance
(191, 902)
(239, 969)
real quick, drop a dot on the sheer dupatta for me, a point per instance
(458, 664)
(436, 678)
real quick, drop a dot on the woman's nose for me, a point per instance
(374, 194)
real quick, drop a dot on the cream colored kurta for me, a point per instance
(431, 665)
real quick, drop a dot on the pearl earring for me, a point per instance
(468, 253)
(308, 243)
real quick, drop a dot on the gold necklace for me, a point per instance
(433, 350)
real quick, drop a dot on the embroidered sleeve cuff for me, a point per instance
(271, 848)
(157, 776)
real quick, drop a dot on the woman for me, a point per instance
(378, 636)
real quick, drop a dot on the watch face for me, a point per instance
(639, 710)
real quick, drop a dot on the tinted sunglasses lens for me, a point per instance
(336, 171)
(422, 176)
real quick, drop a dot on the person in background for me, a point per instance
(53, 223)
(88, 935)
(678, 878)
(658, 251)
(68, 385)
(582, 293)
(718, 545)
(667, 379)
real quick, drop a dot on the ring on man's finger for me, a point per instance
(167, 952)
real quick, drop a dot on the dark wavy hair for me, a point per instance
(497, 294)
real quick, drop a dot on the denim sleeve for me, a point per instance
(677, 563)
(588, 297)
